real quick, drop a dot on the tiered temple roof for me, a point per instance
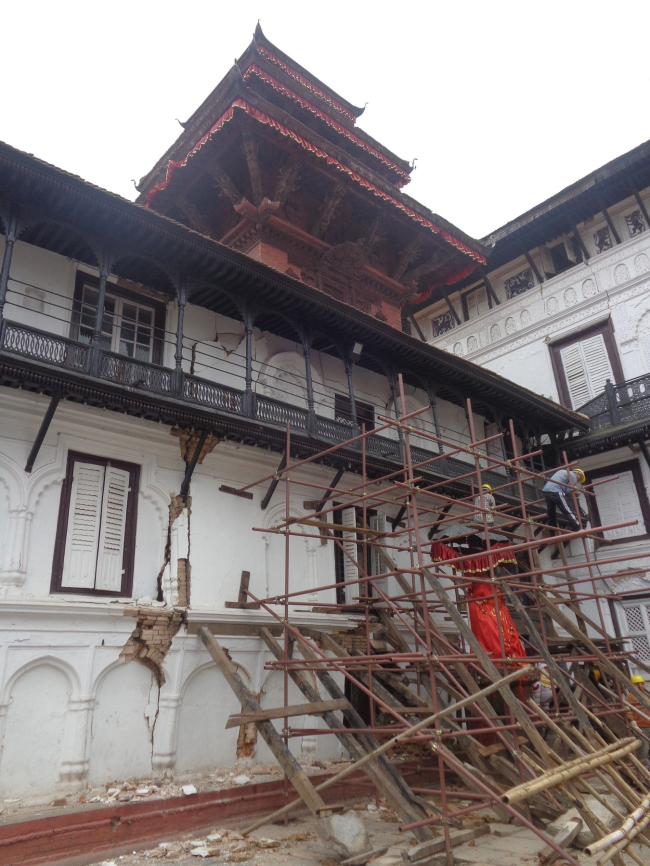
(272, 164)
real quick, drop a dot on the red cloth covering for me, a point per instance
(480, 599)
(475, 565)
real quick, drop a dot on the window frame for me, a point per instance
(128, 555)
(607, 330)
(634, 467)
(158, 307)
(365, 411)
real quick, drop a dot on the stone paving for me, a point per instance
(298, 845)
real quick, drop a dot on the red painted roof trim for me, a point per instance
(258, 115)
(276, 85)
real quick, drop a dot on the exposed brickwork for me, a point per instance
(183, 574)
(152, 637)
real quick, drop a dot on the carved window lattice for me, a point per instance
(442, 324)
(519, 284)
(635, 223)
(638, 624)
(602, 240)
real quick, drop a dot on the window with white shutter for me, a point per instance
(618, 502)
(584, 362)
(350, 571)
(587, 368)
(621, 497)
(377, 561)
(96, 530)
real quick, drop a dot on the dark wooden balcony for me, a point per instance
(619, 405)
(79, 361)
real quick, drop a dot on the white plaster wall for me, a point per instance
(122, 721)
(34, 732)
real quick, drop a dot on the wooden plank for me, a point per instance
(437, 846)
(610, 667)
(245, 494)
(564, 838)
(378, 771)
(315, 708)
(273, 740)
(242, 599)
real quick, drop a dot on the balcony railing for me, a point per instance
(77, 357)
(619, 404)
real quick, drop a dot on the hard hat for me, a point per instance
(637, 679)
(580, 474)
(487, 487)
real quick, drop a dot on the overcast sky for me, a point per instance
(502, 103)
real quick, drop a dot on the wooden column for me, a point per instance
(94, 360)
(248, 392)
(431, 394)
(353, 406)
(181, 297)
(11, 233)
(311, 410)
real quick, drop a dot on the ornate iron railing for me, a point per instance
(275, 412)
(137, 374)
(41, 346)
(210, 394)
(72, 355)
(619, 404)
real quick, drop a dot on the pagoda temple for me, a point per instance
(273, 164)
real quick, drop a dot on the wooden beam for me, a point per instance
(288, 179)
(608, 220)
(408, 255)
(250, 146)
(581, 243)
(242, 598)
(195, 217)
(314, 708)
(272, 486)
(185, 486)
(272, 738)
(609, 666)
(334, 482)
(329, 209)
(380, 771)
(639, 201)
(245, 494)
(225, 184)
(532, 264)
(417, 327)
(450, 305)
(42, 431)
(445, 511)
(490, 289)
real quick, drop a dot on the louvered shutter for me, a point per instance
(597, 363)
(83, 526)
(113, 525)
(377, 562)
(618, 501)
(587, 368)
(350, 572)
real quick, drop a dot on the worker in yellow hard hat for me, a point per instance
(558, 495)
(639, 721)
(485, 499)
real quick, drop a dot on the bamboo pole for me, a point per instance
(574, 768)
(630, 823)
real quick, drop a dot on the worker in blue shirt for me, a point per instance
(557, 493)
